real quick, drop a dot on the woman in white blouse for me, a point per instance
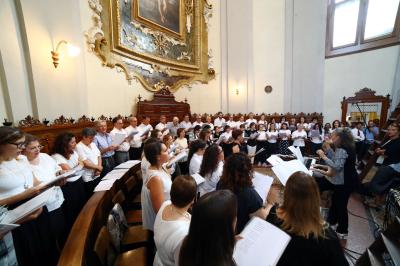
(272, 138)
(74, 190)
(298, 137)
(173, 220)
(90, 155)
(17, 184)
(316, 136)
(211, 168)
(195, 156)
(157, 183)
(181, 141)
(262, 121)
(45, 169)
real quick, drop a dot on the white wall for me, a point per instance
(346, 75)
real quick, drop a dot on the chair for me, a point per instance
(107, 256)
(132, 216)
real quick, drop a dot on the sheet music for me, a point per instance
(275, 160)
(297, 153)
(118, 139)
(262, 184)
(127, 164)
(314, 133)
(133, 133)
(257, 235)
(104, 185)
(28, 207)
(259, 151)
(5, 228)
(284, 170)
(221, 139)
(198, 178)
(178, 157)
(115, 174)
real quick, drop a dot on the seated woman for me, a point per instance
(156, 184)
(388, 175)
(211, 237)
(211, 168)
(74, 190)
(173, 220)
(90, 155)
(237, 177)
(32, 242)
(313, 241)
(195, 157)
(45, 169)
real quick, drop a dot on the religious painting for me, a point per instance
(160, 14)
(159, 43)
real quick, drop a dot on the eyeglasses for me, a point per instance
(20, 145)
(40, 147)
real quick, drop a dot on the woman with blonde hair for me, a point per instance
(312, 242)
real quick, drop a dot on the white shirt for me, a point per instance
(262, 122)
(262, 135)
(249, 121)
(232, 123)
(136, 141)
(181, 143)
(160, 126)
(148, 213)
(300, 141)
(90, 153)
(15, 177)
(195, 163)
(272, 136)
(185, 125)
(209, 124)
(219, 121)
(286, 132)
(357, 134)
(211, 180)
(72, 162)
(197, 124)
(144, 128)
(124, 146)
(168, 236)
(46, 171)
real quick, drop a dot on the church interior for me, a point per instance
(200, 132)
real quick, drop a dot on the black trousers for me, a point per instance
(384, 179)
(108, 164)
(359, 149)
(135, 153)
(315, 147)
(338, 211)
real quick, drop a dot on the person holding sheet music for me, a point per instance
(303, 123)
(241, 122)
(195, 157)
(211, 168)
(211, 237)
(272, 139)
(284, 136)
(209, 122)
(236, 145)
(74, 190)
(136, 143)
(162, 124)
(327, 131)
(251, 135)
(292, 124)
(299, 137)
(316, 138)
(237, 177)
(181, 141)
(32, 242)
(122, 151)
(198, 121)
(339, 155)
(313, 242)
(186, 124)
(172, 150)
(314, 121)
(335, 125)
(233, 124)
(89, 154)
(273, 121)
(251, 119)
(45, 169)
(220, 120)
(260, 159)
(283, 121)
(173, 220)
(262, 120)
(156, 184)
(173, 127)
(217, 132)
(103, 141)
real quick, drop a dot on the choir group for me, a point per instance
(193, 224)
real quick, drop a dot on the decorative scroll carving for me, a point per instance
(29, 121)
(83, 119)
(147, 52)
(62, 120)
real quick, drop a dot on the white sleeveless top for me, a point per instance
(148, 213)
(168, 236)
(15, 177)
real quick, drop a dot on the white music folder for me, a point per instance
(262, 244)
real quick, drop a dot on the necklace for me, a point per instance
(184, 214)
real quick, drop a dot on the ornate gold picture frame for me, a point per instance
(152, 52)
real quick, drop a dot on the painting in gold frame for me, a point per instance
(162, 15)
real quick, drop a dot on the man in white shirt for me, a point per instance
(231, 122)
(219, 121)
(186, 124)
(122, 152)
(145, 128)
(163, 123)
(198, 121)
(251, 120)
(136, 143)
(173, 127)
(359, 138)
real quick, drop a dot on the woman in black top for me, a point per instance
(313, 242)
(236, 145)
(237, 177)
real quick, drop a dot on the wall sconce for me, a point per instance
(237, 91)
(72, 51)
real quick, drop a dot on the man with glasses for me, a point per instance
(103, 141)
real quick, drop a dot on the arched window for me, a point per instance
(358, 25)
